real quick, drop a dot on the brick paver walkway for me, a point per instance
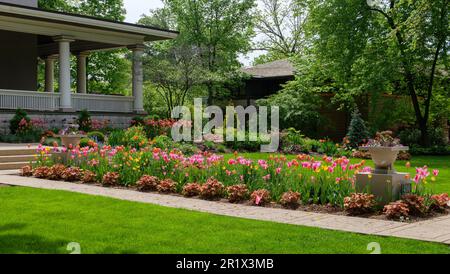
(435, 230)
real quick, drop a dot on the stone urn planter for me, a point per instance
(71, 140)
(384, 157)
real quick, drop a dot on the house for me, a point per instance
(267, 79)
(28, 33)
(264, 80)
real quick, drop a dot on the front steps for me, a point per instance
(15, 158)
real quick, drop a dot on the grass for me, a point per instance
(442, 163)
(44, 221)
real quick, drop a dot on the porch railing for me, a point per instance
(45, 101)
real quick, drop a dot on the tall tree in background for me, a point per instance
(280, 24)
(220, 30)
(379, 46)
(108, 71)
(172, 68)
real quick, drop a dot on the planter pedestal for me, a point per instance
(385, 187)
(385, 183)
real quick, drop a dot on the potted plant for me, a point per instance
(71, 136)
(384, 150)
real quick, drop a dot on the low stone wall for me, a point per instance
(59, 119)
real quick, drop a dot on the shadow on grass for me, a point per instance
(12, 242)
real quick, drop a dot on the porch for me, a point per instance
(28, 34)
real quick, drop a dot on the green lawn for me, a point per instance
(43, 221)
(442, 163)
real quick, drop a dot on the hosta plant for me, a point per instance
(396, 210)
(416, 204)
(212, 189)
(26, 171)
(72, 174)
(439, 202)
(111, 179)
(290, 199)
(41, 172)
(237, 193)
(167, 186)
(359, 203)
(191, 190)
(89, 177)
(147, 183)
(260, 197)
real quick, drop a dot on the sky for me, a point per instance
(135, 8)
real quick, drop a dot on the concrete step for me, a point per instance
(17, 151)
(16, 158)
(12, 165)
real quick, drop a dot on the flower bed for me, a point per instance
(278, 181)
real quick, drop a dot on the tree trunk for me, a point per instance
(210, 94)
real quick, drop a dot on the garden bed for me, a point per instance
(325, 185)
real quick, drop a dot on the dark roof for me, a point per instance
(279, 68)
(89, 17)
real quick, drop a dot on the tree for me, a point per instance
(395, 46)
(357, 131)
(171, 67)
(220, 30)
(280, 23)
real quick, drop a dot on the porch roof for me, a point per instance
(93, 33)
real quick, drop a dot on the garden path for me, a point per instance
(433, 230)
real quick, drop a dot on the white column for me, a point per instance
(50, 73)
(64, 73)
(138, 78)
(81, 72)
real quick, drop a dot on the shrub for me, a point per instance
(212, 189)
(86, 142)
(439, 202)
(26, 171)
(357, 132)
(163, 142)
(396, 210)
(260, 197)
(147, 183)
(97, 136)
(20, 116)
(41, 172)
(359, 203)
(290, 199)
(135, 137)
(237, 193)
(416, 204)
(117, 138)
(72, 174)
(191, 189)
(110, 179)
(88, 177)
(84, 121)
(56, 171)
(167, 186)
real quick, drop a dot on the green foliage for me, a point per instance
(117, 138)
(96, 136)
(397, 47)
(84, 142)
(135, 137)
(357, 132)
(299, 105)
(84, 121)
(219, 30)
(20, 115)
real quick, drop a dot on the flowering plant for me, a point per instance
(384, 139)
